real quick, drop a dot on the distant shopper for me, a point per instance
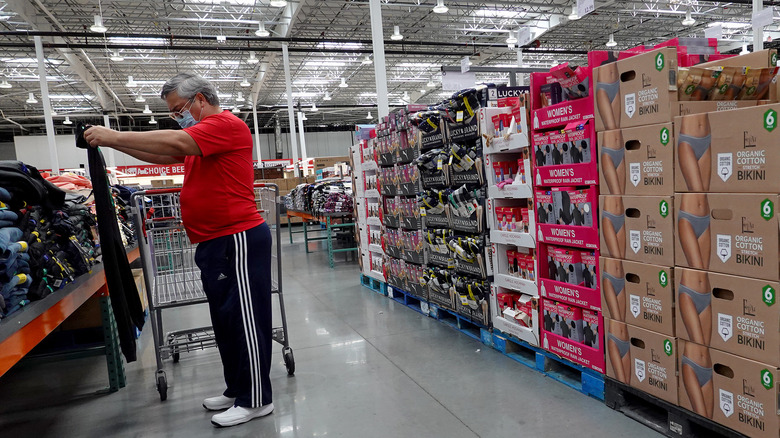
(234, 243)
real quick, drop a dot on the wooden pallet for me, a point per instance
(462, 324)
(660, 415)
(582, 379)
(373, 284)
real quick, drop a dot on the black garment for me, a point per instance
(565, 330)
(587, 278)
(548, 322)
(27, 185)
(588, 334)
(539, 155)
(119, 278)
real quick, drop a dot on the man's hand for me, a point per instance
(101, 136)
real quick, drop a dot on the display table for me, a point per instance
(332, 221)
(22, 331)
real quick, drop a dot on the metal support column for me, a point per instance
(257, 134)
(55, 162)
(290, 111)
(111, 156)
(380, 72)
(116, 367)
(304, 155)
(758, 31)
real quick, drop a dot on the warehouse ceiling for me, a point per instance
(329, 40)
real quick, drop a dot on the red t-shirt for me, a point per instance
(218, 197)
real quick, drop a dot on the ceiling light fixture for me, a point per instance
(147, 110)
(278, 3)
(689, 20)
(140, 98)
(440, 7)
(236, 110)
(367, 61)
(314, 108)
(405, 96)
(422, 91)
(131, 83)
(430, 83)
(745, 50)
(261, 31)
(67, 121)
(327, 96)
(343, 83)
(5, 84)
(245, 83)
(98, 26)
(511, 39)
(252, 58)
(117, 57)
(369, 116)
(574, 15)
(31, 98)
(396, 36)
(240, 97)
(152, 121)
(611, 42)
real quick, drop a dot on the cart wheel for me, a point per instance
(162, 385)
(289, 360)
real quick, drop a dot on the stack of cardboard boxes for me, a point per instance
(690, 241)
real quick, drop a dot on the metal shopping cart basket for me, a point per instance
(173, 280)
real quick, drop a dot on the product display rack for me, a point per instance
(565, 182)
(367, 205)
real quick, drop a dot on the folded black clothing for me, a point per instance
(28, 186)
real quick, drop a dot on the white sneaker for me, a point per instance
(239, 415)
(218, 403)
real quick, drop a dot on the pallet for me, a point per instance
(660, 415)
(373, 284)
(462, 324)
(413, 302)
(582, 379)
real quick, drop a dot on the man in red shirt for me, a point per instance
(219, 213)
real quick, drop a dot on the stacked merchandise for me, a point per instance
(510, 214)
(688, 221)
(453, 205)
(395, 148)
(321, 197)
(46, 242)
(367, 204)
(566, 197)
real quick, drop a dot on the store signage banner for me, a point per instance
(524, 36)
(763, 17)
(153, 170)
(454, 81)
(464, 64)
(715, 31)
(585, 7)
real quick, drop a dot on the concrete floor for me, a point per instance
(366, 367)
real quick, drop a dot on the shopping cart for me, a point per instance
(173, 280)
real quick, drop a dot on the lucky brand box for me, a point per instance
(728, 151)
(637, 161)
(636, 91)
(643, 359)
(639, 294)
(728, 233)
(734, 314)
(736, 392)
(639, 228)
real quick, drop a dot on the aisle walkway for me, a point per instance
(367, 367)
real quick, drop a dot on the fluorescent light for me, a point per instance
(300, 94)
(204, 62)
(252, 58)
(327, 96)
(140, 98)
(418, 65)
(240, 97)
(396, 36)
(367, 61)
(325, 64)
(689, 20)
(312, 81)
(278, 3)
(574, 15)
(511, 39)
(138, 41)
(229, 62)
(730, 24)
(117, 57)
(261, 31)
(152, 121)
(332, 45)
(369, 116)
(245, 83)
(343, 83)
(5, 84)
(31, 98)
(493, 13)
(32, 61)
(422, 91)
(440, 7)
(611, 42)
(367, 94)
(314, 108)
(67, 121)
(70, 96)
(131, 83)
(147, 110)
(98, 26)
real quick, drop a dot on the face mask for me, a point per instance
(186, 120)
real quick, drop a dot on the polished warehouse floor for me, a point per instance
(366, 367)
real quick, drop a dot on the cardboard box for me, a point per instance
(647, 231)
(647, 165)
(742, 394)
(742, 313)
(158, 183)
(760, 59)
(684, 108)
(742, 150)
(652, 359)
(645, 86)
(647, 296)
(737, 233)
